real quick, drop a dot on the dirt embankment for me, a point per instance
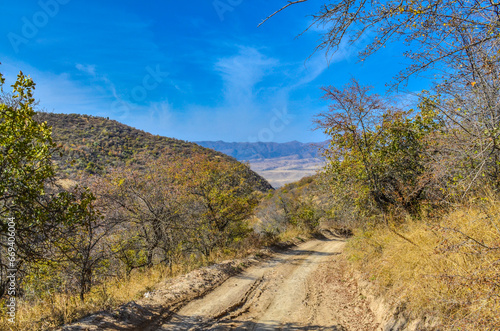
(304, 288)
(308, 287)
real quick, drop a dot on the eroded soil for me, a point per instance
(305, 288)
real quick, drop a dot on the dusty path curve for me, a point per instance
(306, 288)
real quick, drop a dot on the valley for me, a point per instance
(278, 163)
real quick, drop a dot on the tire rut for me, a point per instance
(264, 297)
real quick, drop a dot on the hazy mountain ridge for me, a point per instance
(278, 163)
(247, 151)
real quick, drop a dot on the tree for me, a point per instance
(457, 40)
(469, 148)
(28, 192)
(149, 205)
(176, 205)
(223, 196)
(80, 238)
(377, 152)
(25, 171)
(439, 34)
(26, 149)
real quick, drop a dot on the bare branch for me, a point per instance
(282, 8)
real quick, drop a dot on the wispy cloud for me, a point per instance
(242, 72)
(105, 82)
(58, 92)
(86, 68)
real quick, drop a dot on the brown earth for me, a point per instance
(308, 287)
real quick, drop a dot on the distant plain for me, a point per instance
(284, 170)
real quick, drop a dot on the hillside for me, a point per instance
(278, 163)
(91, 145)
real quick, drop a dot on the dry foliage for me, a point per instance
(53, 309)
(452, 272)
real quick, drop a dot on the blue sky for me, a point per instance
(192, 70)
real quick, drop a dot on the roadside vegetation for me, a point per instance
(418, 181)
(417, 184)
(446, 269)
(419, 189)
(104, 212)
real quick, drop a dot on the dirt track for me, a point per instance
(306, 288)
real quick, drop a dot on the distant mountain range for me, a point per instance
(278, 163)
(247, 151)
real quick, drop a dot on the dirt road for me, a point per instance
(306, 288)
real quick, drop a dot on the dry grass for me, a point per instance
(58, 308)
(293, 232)
(451, 271)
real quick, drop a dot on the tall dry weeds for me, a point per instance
(452, 271)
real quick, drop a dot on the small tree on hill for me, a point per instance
(224, 199)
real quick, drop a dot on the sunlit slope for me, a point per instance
(91, 145)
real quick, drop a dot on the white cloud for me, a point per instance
(56, 92)
(242, 72)
(88, 69)
(256, 88)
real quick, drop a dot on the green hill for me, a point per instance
(90, 145)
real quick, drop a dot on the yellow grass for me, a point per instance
(450, 270)
(293, 232)
(58, 308)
